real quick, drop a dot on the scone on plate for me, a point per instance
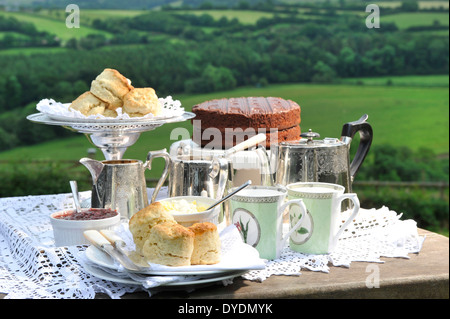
(88, 104)
(141, 101)
(111, 86)
(144, 220)
(206, 244)
(169, 244)
(110, 113)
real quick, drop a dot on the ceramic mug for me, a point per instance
(323, 224)
(258, 213)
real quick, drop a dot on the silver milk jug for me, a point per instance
(118, 184)
(192, 175)
(327, 160)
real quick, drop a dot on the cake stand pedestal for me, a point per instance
(112, 137)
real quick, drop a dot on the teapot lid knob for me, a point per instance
(310, 135)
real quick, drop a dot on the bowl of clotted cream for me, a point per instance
(188, 210)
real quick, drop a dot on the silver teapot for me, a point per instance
(327, 160)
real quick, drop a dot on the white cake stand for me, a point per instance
(111, 136)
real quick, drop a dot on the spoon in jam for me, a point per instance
(76, 196)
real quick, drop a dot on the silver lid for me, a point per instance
(309, 141)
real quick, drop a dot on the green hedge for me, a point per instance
(39, 178)
(426, 206)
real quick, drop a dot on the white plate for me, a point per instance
(235, 256)
(107, 276)
(102, 126)
(102, 259)
(58, 111)
(110, 120)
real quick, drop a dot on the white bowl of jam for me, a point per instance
(69, 225)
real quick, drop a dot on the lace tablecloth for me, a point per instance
(32, 267)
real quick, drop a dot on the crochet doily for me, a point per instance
(32, 267)
(169, 108)
(375, 233)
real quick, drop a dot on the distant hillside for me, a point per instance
(130, 4)
(88, 4)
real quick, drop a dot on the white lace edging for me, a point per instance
(375, 233)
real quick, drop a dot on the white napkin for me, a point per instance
(235, 255)
(50, 107)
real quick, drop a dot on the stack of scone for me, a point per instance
(110, 91)
(161, 240)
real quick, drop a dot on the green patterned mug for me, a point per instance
(323, 223)
(258, 213)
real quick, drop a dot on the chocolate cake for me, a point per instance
(238, 119)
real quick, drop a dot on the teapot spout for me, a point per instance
(94, 167)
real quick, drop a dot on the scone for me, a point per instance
(110, 113)
(169, 244)
(206, 244)
(141, 101)
(88, 104)
(144, 220)
(111, 86)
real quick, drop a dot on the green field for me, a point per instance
(32, 50)
(422, 4)
(413, 19)
(419, 80)
(244, 16)
(401, 116)
(88, 15)
(56, 26)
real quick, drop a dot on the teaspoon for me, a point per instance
(76, 197)
(247, 183)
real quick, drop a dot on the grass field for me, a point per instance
(413, 19)
(88, 15)
(55, 26)
(419, 80)
(422, 4)
(243, 16)
(29, 51)
(401, 116)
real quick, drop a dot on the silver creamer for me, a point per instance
(118, 184)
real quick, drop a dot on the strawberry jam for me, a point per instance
(87, 214)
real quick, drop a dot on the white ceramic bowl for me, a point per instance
(70, 232)
(188, 219)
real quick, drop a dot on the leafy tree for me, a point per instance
(13, 90)
(410, 5)
(323, 73)
(7, 140)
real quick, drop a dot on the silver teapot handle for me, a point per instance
(219, 166)
(150, 156)
(366, 135)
